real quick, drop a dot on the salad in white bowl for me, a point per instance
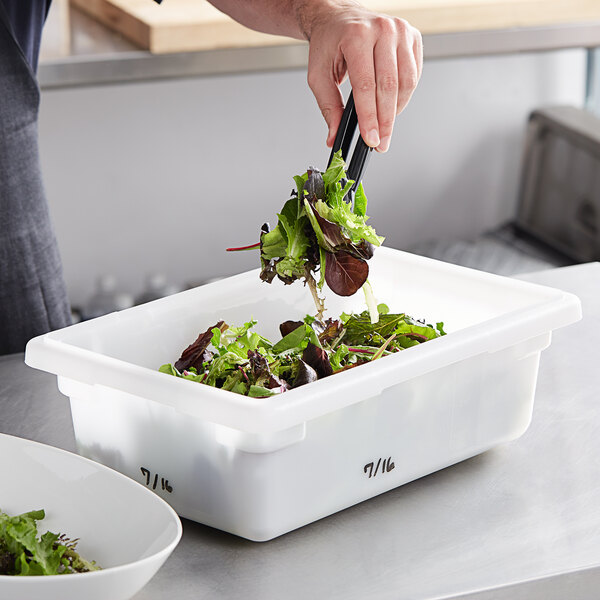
(71, 528)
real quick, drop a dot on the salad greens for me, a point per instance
(23, 552)
(320, 237)
(240, 360)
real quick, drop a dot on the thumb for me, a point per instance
(330, 101)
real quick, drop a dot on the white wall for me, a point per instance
(163, 176)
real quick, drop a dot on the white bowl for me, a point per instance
(127, 529)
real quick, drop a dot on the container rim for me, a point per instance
(53, 353)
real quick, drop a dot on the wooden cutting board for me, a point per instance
(190, 25)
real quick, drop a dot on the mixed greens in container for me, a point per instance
(321, 237)
(240, 360)
(24, 552)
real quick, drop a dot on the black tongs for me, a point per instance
(343, 141)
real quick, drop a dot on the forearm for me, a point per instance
(291, 18)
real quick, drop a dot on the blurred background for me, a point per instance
(168, 136)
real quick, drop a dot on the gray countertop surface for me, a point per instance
(521, 521)
(79, 51)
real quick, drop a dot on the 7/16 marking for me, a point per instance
(382, 466)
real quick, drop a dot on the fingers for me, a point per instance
(385, 78)
(361, 71)
(387, 88)
(383, 57)
(418, 51)
(410, 65)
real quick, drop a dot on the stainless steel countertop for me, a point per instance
(76, 50)
(521, 521)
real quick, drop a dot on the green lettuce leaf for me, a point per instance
(360, 201)
(24, 552)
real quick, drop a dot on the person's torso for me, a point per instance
(26, 19)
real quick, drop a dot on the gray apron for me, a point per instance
(33, 299)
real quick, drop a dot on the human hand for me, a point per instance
(382, 56)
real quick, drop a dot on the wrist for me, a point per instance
(309, 13)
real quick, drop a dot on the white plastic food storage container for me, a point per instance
(259, 468)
